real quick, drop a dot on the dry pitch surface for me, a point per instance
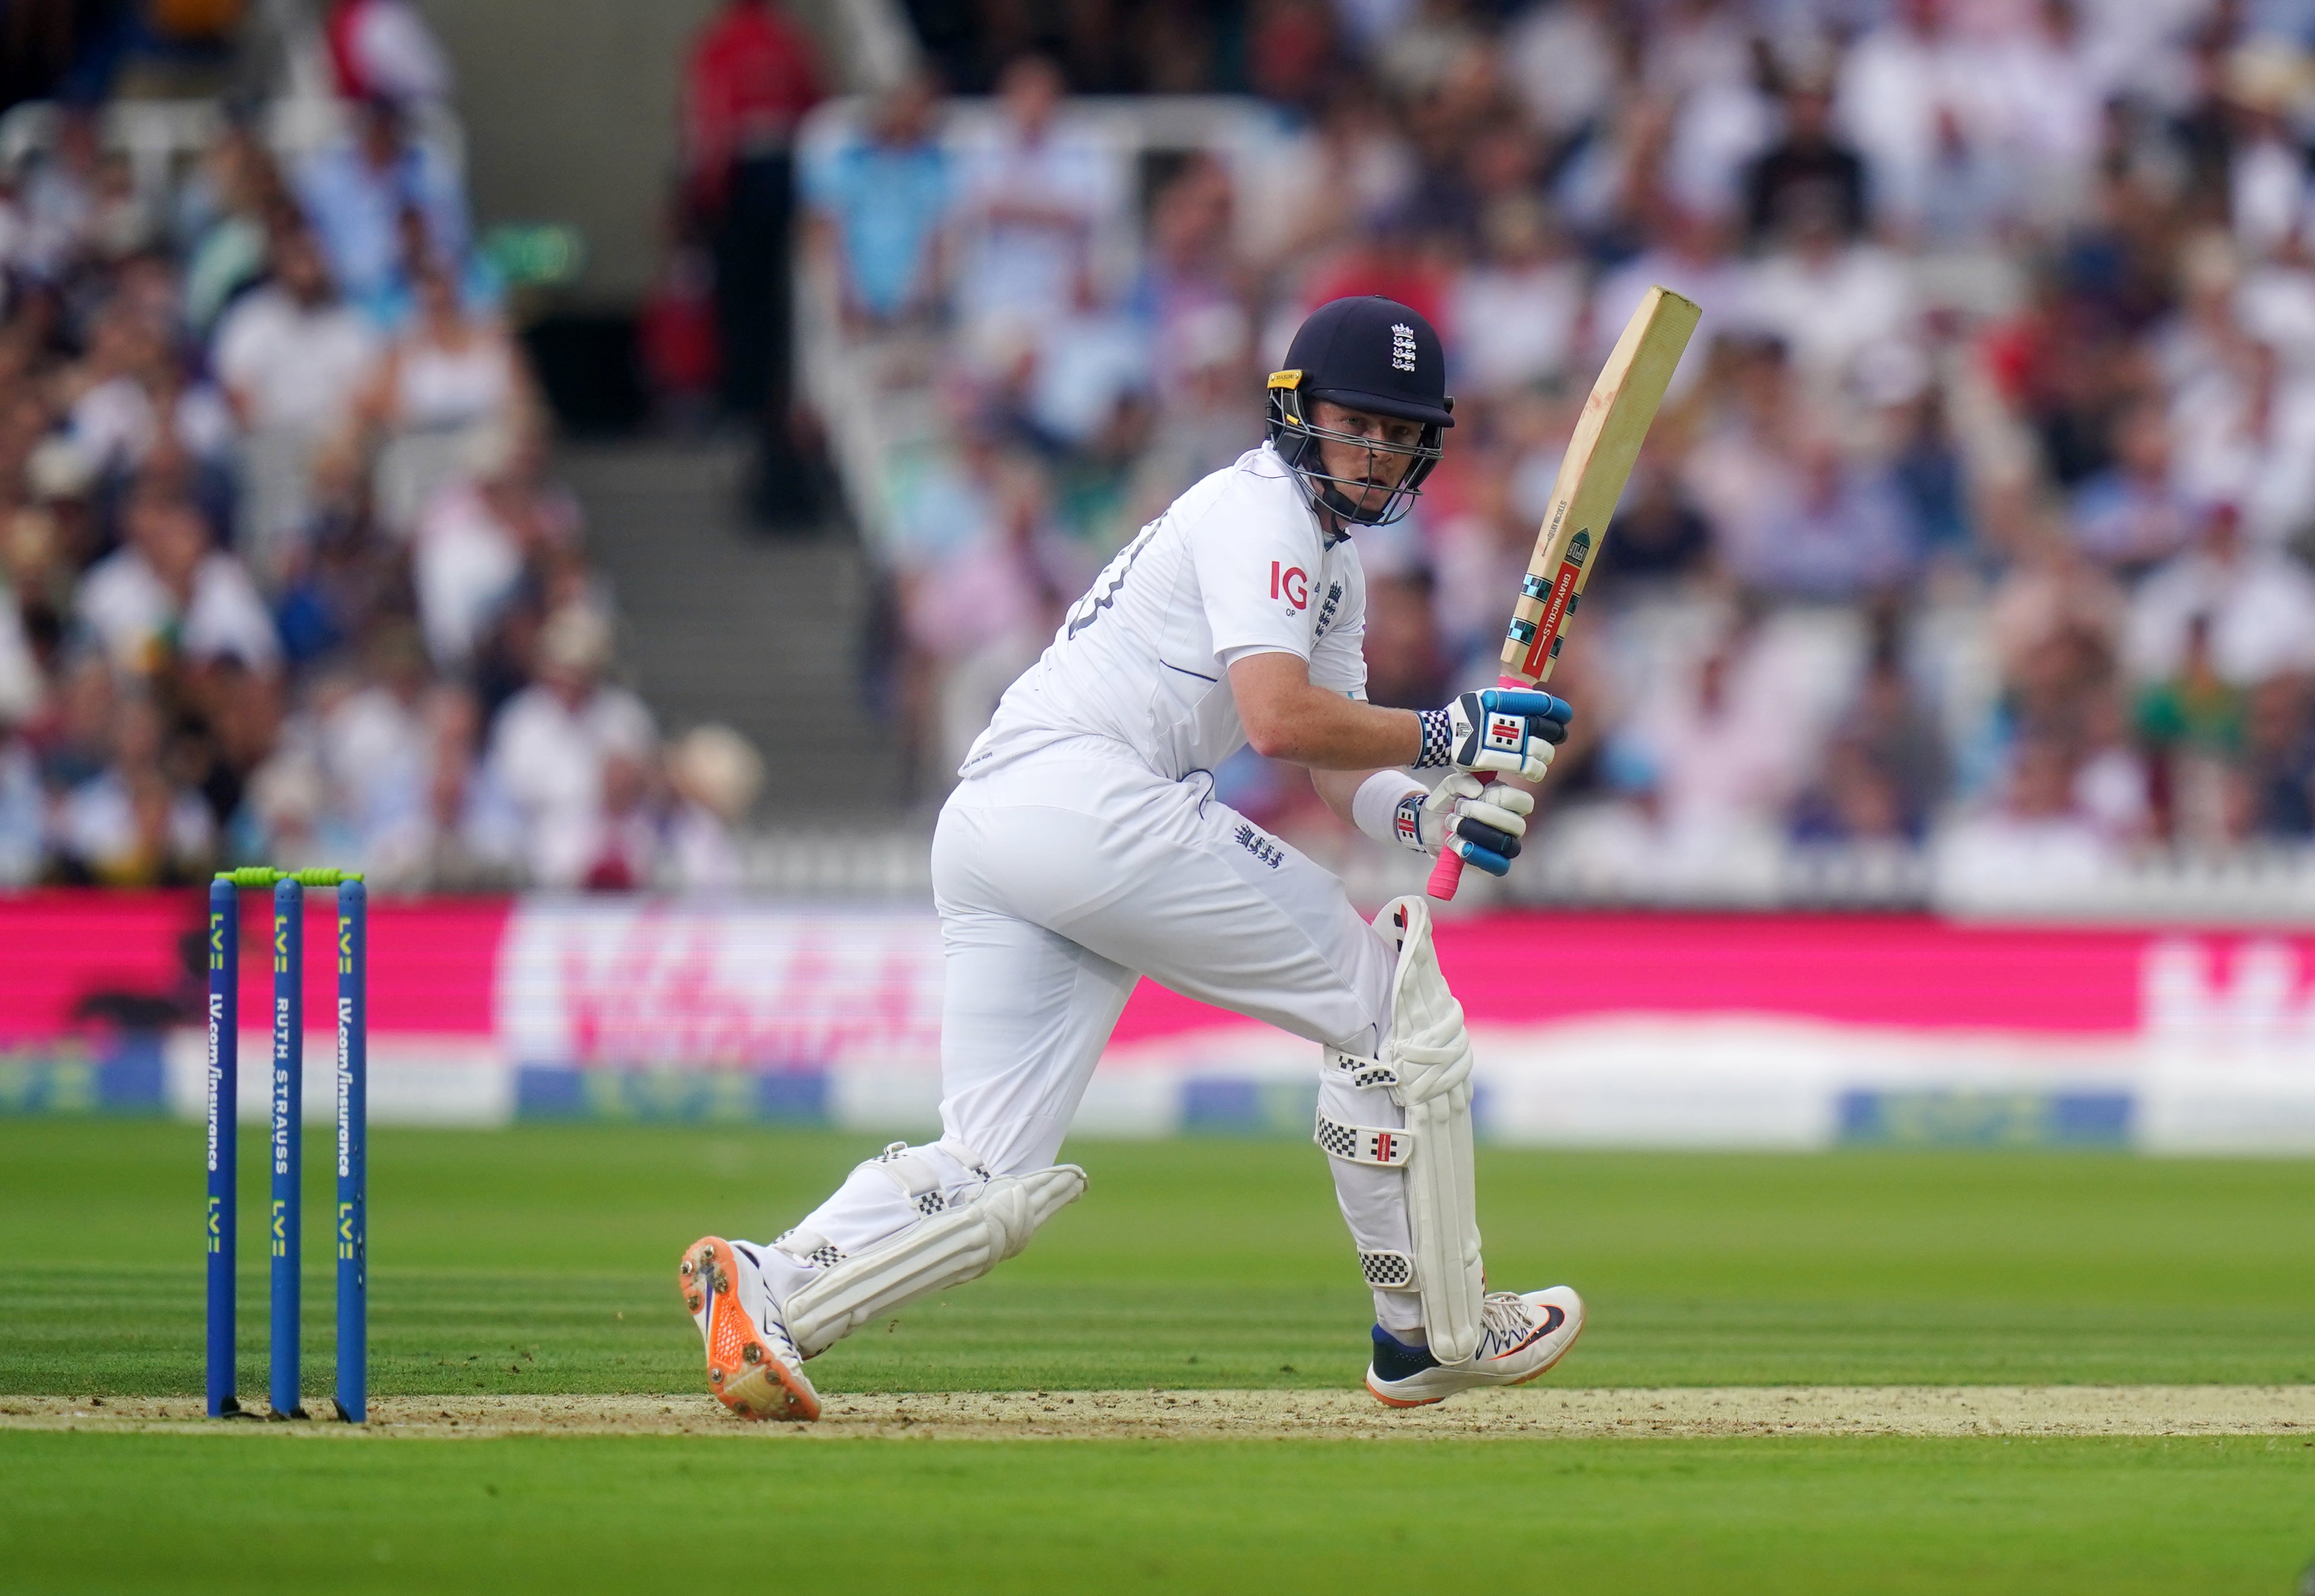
(1674, 1411)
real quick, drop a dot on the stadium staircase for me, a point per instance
(720, 622)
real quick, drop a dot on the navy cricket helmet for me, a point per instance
(1367, 353)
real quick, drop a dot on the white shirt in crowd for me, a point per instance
(1563, 64)
(21, 689)
(1027, 269)
(2261, 607)
(441, 389)
(698, 853)
(1517, 325)
(24, 815)
(1830, 310)
(375, 756)
(129, 610)
(1236, 566)
(298, 367)
(1896, 87)
(463, 563)
(114, 423)
(548, 757)
(2234, 444)
(97, 822)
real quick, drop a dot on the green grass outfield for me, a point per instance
(541, 1260)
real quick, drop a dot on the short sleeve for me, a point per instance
(1255, 553)
(1338, 662)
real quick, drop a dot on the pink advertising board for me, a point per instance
(1632, 1014)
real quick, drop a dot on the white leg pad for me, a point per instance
(1426, 1063)
(1442, 1211)
(973, 1232)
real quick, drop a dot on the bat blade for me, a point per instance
(1593, 474)
(1591, 478)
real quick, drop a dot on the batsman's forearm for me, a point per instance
(1324, 730)
(1339, 790)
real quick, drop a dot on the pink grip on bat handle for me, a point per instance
(1447, 870)
(1446, 875)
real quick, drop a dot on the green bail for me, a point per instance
(265, 876)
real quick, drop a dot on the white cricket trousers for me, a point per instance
(1062, 877)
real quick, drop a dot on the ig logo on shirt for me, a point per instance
(1290, 584)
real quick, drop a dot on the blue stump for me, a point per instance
(288, 1137)
(224, 1138)
(353, 1120)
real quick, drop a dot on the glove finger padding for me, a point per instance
(1482, 823)
(1491, 804)
(1505, 844)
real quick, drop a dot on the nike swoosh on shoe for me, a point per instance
(1554, 1317)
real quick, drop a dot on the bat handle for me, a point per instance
(1446, 875)
(1447, 870)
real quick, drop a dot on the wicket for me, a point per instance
(287, 1145)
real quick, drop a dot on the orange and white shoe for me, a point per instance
(752, 1366)
(1520, 1335)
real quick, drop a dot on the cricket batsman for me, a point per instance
(1084, 847)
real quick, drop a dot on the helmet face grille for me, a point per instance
(1298, 441)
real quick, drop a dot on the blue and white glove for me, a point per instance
(1503, 730)
(1481, 822)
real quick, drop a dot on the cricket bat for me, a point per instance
(1591, 478)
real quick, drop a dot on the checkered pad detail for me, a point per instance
(931, 1203)
(1438, 739)
(1388, 1272)
(826, 1255)
(1360, 1072)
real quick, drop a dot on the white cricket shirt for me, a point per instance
(1235, 566)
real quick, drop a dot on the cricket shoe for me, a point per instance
(752, 1366)
(1520, 1335)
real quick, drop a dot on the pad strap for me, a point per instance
(810, 1246)
(1388, 1270)
(1387, 1148)
(1359, 1071)
(920, 1179)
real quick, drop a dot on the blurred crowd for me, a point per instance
(1981, 511)
(284, 574)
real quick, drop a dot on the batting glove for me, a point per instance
(1482, 823)
(1503, 730)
